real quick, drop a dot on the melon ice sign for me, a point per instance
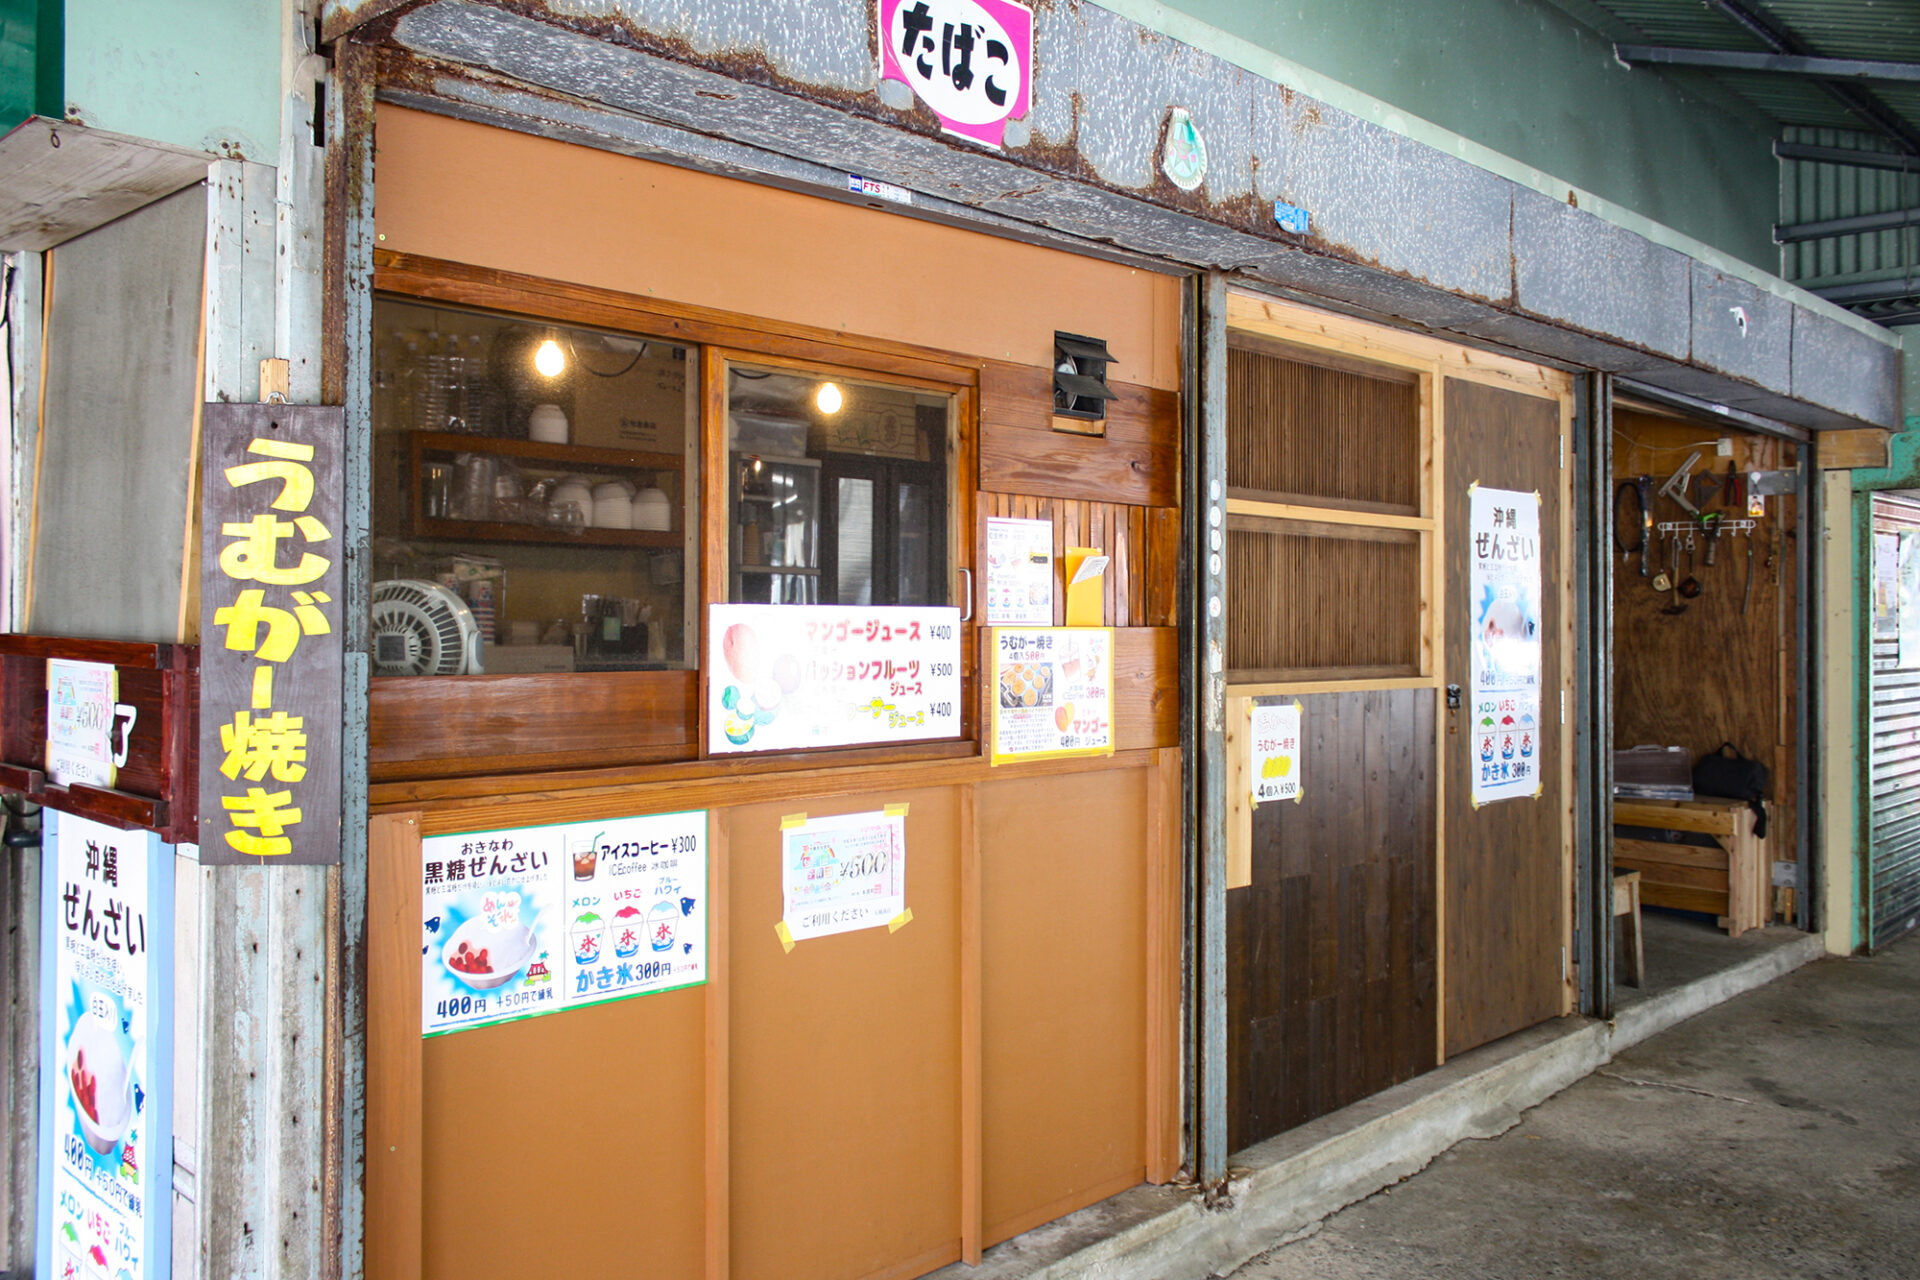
(539, 919)
(785, 677)
(1503, 587)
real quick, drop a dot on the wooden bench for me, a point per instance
(1731, 880)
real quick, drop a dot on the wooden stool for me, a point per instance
(1626, 902)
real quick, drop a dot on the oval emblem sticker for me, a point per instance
(1184, 160)
(969, 60)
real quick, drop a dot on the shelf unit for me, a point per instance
(438, 446)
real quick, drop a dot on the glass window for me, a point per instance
(533, 496)
(838, 490)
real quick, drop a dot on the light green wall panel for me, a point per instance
(1522, 77)
(197, 73)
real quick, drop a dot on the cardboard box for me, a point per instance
(645, 408)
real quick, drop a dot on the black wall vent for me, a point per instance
(1080, 377)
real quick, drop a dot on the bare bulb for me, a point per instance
(549, 359)
(828, 398)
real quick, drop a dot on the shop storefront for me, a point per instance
(707, 475)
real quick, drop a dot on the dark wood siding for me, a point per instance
(1330, 951)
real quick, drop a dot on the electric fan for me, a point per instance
(423, 629)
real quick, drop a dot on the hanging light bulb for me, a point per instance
(828, 398)
(549, 359)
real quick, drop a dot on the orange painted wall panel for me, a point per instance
(1063, 993)
(469, 193)
(566, 1144)
(845, 1052)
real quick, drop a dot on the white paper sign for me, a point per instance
(1503, 604)
(785, 677)
(1886, 586)
(1019, 572)
(1274, 732)
(539, 919)
(80, 702)
(1052, 693)
(1908, 627)
(843, 873)
(112, 1146)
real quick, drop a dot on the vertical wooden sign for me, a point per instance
(270, 634)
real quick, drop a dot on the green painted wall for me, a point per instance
(203, 74)
(1524, 78)
(30, 60)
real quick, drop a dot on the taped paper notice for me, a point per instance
(1274, 733)
(904, 918)
(843, 873)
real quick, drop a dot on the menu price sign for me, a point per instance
(535, 920)
(82, 699)
(270, 626)
(842, 873)
(1019, 572)
(1274, 731)
(785, 677)
(1052, 693)
(1503, 586)
(106, 1061)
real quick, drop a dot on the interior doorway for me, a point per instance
(1709, 674)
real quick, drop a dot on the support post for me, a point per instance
(1206, 506)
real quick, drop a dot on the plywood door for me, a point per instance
(1506, 892)
(1330, 949)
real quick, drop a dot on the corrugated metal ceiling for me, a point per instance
(1803, 110)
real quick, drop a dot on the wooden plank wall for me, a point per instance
(1330, 950)
(1333, 430)
(1353, 598)
(1712, 674)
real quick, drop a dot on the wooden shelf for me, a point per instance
(501, 531)
(554, 457)
(561, 456)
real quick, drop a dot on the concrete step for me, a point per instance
(1282, 1187)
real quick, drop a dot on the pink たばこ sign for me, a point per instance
(971, 61)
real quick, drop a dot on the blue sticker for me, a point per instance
(1290, 217)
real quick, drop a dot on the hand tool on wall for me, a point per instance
(1639, 487)
(1689, 586)
(1676, 485)
(1746, 597)
(1711, 523)
(1672, 578)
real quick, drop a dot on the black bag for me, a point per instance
(1729, 774)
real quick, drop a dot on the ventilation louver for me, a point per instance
(1080, 377)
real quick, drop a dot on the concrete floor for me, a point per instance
(1775, 1135)
(1684, 945)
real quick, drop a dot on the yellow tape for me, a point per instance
(793, 820)
(783, 933)
(896, 811)
(904, 918)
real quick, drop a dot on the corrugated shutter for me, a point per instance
(1895, 763)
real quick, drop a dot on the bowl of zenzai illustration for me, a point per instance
(101, 1083)
(485, 956)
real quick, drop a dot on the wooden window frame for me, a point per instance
(405, 709)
